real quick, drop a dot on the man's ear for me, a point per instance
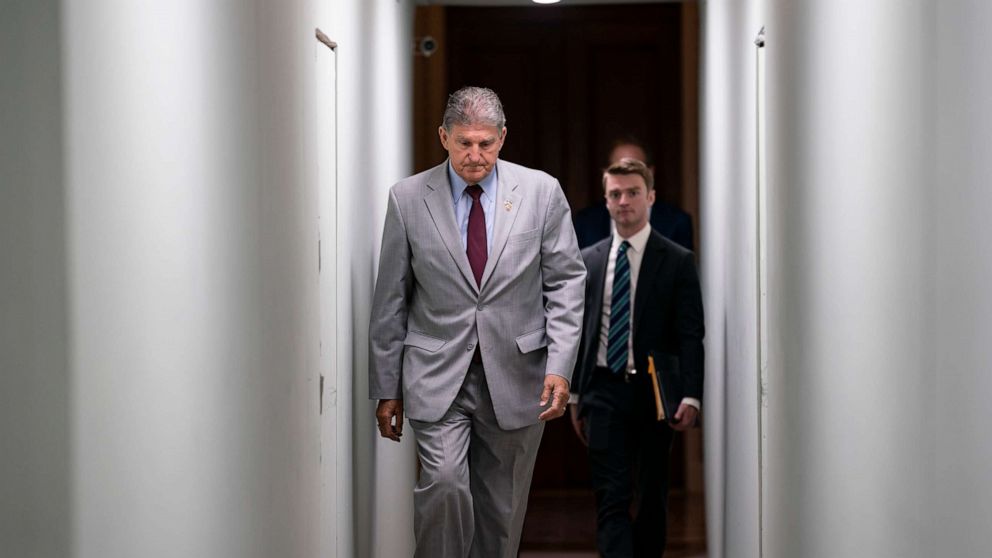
(443, 135)
(502, 137)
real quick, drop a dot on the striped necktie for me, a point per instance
(616, 342)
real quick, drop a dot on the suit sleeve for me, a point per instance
(387, 324)
(689, 324)
(564, 277)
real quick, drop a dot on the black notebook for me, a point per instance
(667, 384)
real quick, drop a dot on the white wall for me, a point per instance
(192, 278)
(375, 82)
(34, 380)
(160, 341)
(878, 140)
(850, 287)
(729, 274)
(960, 411)
(851, 365)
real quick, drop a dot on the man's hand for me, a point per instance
(578, 423)
(685, 417)
(385, 412)
(555, 392)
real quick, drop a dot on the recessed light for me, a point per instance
(545, 1)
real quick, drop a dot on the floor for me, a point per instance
(555, 554)
(562, 524)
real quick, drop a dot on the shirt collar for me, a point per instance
(458, 185)
(637, 242)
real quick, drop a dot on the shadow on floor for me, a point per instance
(562, 524)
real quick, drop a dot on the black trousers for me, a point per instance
(628, 457)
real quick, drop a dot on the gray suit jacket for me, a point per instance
(428, 315)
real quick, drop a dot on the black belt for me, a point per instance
(628, 376)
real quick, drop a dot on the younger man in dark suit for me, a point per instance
(642, 296)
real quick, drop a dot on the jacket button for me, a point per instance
(471, 347)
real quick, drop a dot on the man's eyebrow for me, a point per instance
(631, 189)
(489, 139)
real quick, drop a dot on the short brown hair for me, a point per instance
(630, 166)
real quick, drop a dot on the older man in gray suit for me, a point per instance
(474, 331)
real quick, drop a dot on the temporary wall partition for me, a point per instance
(871, 407)
(163, 170)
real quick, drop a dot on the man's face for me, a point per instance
(473, 149)
(628, 200)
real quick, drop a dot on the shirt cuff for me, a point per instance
(692, 401)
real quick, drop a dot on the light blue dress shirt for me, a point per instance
(463, 204)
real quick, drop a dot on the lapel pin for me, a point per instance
(508, 205)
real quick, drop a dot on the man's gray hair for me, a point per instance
(473, 105)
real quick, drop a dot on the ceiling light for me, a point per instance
(545, 1)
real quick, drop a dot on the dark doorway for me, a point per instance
(573, 79)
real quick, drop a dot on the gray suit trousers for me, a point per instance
(471, 497)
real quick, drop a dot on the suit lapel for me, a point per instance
(507, 207)
(654, 253)
(442, 211)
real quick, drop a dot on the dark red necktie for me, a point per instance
(476, 246)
